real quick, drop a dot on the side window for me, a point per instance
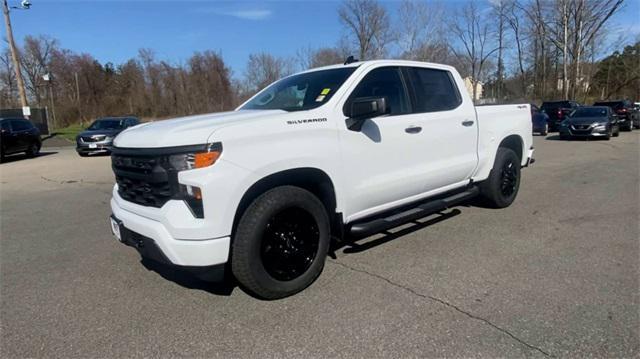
(133, 122)
(20, 125)
(383, 82)
(434, 90)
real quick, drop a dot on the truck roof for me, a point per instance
(384, 62)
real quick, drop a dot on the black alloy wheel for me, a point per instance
(509, 178)
(289, 244)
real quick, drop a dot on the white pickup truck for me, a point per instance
(336, 152)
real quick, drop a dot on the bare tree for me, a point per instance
(326, 56)
(473, 32)
(263, 69)
(369, 24)
(588, 17)
(35, 58)
(500, 10)
(8, 85)
(513, 16)
(420, 25)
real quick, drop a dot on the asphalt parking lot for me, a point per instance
(556, 274)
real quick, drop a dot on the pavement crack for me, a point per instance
(72, 181)
(444, 302)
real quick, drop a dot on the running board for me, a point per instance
(364, 229)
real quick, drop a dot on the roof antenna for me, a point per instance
(350, 60)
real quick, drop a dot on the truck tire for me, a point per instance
(501, 188)
(281, 243)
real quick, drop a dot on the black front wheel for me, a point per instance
(501, 188)
(281, 243)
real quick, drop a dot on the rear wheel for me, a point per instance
(545, 131)
(501, 188)
(33, 150)
(281, 243)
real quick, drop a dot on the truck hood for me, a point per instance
(184, 131)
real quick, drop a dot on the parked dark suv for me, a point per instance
(98, 137)
(18, 135)
(558, 111)
(626, 112)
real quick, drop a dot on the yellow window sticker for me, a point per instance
(325, 91)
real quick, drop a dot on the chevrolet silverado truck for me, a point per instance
(343, 151)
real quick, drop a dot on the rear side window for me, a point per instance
(21, 125)
(434, 90)
(383, 82)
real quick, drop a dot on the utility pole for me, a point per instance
(14, 54)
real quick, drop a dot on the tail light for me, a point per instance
(560, 113)
(622, 110)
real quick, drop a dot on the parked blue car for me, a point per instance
(540, 120)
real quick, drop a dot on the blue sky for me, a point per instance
(113, 31)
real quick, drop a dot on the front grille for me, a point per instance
(581, 127)
(142, 180)
(93, 138)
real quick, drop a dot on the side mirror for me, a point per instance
(363, 108)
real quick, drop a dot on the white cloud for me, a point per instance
(247, 14)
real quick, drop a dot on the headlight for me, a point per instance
(108, 139)
(599, 127)
(192, 195)
(189, 161)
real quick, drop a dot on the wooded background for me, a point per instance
(521, 50)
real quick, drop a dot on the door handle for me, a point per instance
(413, 129)
(467, 123)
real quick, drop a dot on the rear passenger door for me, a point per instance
(448, 145)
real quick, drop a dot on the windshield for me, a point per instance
(548, 105)
(300, 92)
(614, 105)
(107, 124)
(590, 112)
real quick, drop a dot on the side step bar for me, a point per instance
(364, 229)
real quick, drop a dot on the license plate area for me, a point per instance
(93, 145)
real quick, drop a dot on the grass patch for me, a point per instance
(70, 132)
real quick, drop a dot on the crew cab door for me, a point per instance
(428, 141)
(382, 162)
(449, 141)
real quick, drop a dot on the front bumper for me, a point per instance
(93, 147)
(530, 159)
(591, 132)
(153, 240)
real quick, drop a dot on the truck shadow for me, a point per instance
(219, 281)
(352, 245)
(214, 280)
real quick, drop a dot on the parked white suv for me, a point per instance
(346, 150)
